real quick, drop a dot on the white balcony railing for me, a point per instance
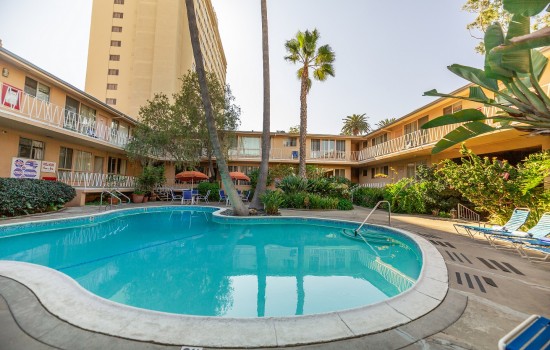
(95, 180)
(29, 107)
(290, 154)
(417, 139)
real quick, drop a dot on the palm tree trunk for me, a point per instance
(266, 136)
(238, 207)
(303, 122)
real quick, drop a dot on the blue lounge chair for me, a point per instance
(538, 234)
(531, 334)
(223, 197)
(187, 197)
(518, 218)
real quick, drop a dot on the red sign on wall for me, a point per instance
(11, 96)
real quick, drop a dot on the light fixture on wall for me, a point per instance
(5, 72)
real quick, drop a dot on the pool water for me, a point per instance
(182, 262)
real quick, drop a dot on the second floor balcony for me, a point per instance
(19, 104)
(290, 154)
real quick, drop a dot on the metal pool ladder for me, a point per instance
(372, 211)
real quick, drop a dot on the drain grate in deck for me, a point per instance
(474, 281)
(503, 266)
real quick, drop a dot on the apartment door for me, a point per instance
(98, 165)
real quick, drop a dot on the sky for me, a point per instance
(387, 53)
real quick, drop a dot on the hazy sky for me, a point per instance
(387, 52)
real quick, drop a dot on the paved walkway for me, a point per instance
(491, 291)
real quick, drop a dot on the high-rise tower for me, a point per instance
(141, 47)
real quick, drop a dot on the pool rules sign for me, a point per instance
(23, 168)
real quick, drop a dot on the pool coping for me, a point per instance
(61, 296)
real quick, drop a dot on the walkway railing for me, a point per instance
(468, 214)
(29, 107)
(95, 180)
(291, 154)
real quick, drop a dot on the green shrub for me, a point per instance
(272, 200)
(368, 197)
(295, 200)
(320, 202)
(254, 174)
(149, 178)
(203, 187)
(407, 196)
(293, 184)
(345, 204)
(27, 196)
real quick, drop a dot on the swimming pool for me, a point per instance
(181, 261)
(63, 297)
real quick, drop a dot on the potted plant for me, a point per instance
(137, 196)
(150, 178)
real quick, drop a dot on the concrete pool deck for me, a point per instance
(490, 292)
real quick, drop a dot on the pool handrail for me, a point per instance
(372, 211)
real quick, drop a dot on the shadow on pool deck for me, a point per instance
(490, 292)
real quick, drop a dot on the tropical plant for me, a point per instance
(367, 196)
(261, 185)
(293, 184)
(490, 11)
(510, 63)
(272, 200)
(237, 204)
(150, 178)
(213, 187)
(294, 129)
(385, 122)
(356, 124)
(303, 50)
(254, 175)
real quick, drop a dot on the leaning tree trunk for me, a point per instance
(266, 136)
(238, 206)
(303, 122)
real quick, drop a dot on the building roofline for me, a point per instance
(23, 62)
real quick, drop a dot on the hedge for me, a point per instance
(28, 196)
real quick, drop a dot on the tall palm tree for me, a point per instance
(385, 122)
(266, 137)
(303, 50)
(355, 124)
(236, 202)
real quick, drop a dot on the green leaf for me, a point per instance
(533, 40)
(462, 133)
(493, 61)
(525, 7)
(434, 93)
(474, 75)
(516, 60)
(465, 115)
(539, 62)
(477, 93)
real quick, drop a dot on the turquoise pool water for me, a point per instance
(181, 261)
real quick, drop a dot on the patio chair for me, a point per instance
(246, 196)
(518, 218)
(536, 235)
(223, 197)
(527, 250)
(531, 334)
(175, 196)
(204, 198)
(187, 197)
(163, 194)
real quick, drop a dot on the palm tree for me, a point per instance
(236, 202)
(303, 50)
(355, 124)
(266, 136)
(385, 122)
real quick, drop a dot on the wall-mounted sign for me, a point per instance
(48, 167)
(23, 168)
(11, 96)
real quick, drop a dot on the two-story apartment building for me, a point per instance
(51, 130)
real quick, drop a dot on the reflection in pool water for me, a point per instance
(182, 262)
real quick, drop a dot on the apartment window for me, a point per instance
(118, 15)
(119, 2)
(31, 149)
(339, 172)
(36, 89)
(116, 43)
(110, 101)
(83, 161)
(379, 139)
(455, 107)
(112, 72)
(114, 57)
(341, 149)
(65, 158)
(232, 168)
(88, 120)
(315, 148)
(365, 172)
(290, 142)
(112, 86)
(116, 166)
(382, 171)
(250, 146)
(116, 29)
(71, 113)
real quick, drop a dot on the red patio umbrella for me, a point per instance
(237, 175)
(191, 176)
